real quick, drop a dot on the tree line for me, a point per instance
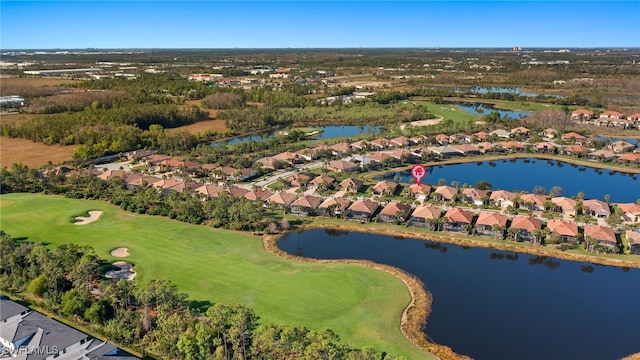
(156, 318)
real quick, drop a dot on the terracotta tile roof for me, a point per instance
(491, 218)
(210, 190)
(446, 191)
(256, 194)
(466, 148)
(572, 135)
(527, 223)
(341, 202)
(582, 112)
(420, 188)
(631, 208)
(393, 207)
(307, 201)
(342, 165)
(632, 157)
(322, 179)
(474, 193)
(282, 198)
(385, 186)
(567, 204)
(533, 198)
(379, 156)
(596, 205)
(350, 183)
(576, 149)
(633, 236)
(364, 206)
(563, 227)
(502, 195)
(427, 212)
(600, 233)
(459, 215)
(401, 141)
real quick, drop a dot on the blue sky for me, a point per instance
(317, 24)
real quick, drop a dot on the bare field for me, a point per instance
(202, 126)
(31, 153)
(35, 82)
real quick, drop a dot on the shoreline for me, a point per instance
(414, 316)
(413, 323)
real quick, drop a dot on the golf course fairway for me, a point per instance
(362, 305)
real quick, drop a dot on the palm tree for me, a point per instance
(514, 234)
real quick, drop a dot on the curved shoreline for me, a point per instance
(414, 316)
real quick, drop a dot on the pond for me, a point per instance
(525, 174)
(505, 90)
(491, 304)
(483, 109)
(327, 132)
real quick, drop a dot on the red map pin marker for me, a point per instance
(418, 172)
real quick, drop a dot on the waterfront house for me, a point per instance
(596, 208)
(394, 212)
(425, 216)
(385, 187)
(457, 220)
(467, 149)
(545, 147)
(280, 200)
(305, 205)
(333, 206)
(502, 198)
(527, 225)
(633, 238)
(567, 230)
(419, 191)
(532, 202)
(491, 223)
(630, 212)
(351, 185)
(621, 146)
(576, 150)
(513, 146)
(602, 235)
(630, 159)
(474, 196)
(445, 193)
(601, 155)
(564, 205)
(361, 210)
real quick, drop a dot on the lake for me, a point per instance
(483, 109)
(491, 304)
(505, 90)
(328, 132)
(525, 174)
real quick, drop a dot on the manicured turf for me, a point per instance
(360, 304)
(448, 111)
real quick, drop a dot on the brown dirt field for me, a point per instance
(202, 126)
(35, 82)
(32, 154)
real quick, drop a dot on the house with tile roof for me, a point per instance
(567, 230)
(394, 212)
(565, 205)
(361, 210)
(457, 220)
(491, 223)
(445, 193)
(527, 225)
(633, 238)
(474, 196)
(305, 205)
(582, 114)
(342, 166)
(602, 235)
(425, 216)
(596, 208)
(533, 202)
(333, 206)
(385, 187)
(351, 185)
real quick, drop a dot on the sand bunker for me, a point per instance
(428, 122)
(126, 271)
(84, 220)
(120, 252)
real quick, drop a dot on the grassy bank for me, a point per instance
(226, 267)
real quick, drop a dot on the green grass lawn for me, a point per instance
(360, 304)
(448, 111)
